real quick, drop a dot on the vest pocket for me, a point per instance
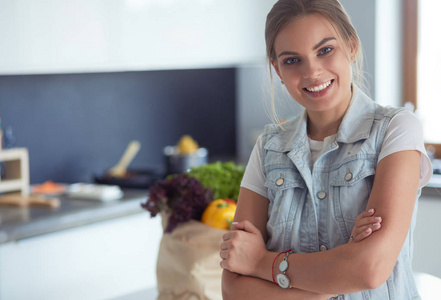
(285, 188)
(351, 184)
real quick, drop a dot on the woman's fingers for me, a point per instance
(365, 224)
(368, 221)
(224, 246)
(242, 248)
(245, 226)
(226, 236)
(362, 232)
(365, 214)
(361, 236)
(223, 254)
(361, 229)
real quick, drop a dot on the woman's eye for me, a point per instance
(290, 61)
(325, 50)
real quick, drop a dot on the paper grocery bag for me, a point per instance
(188, 265)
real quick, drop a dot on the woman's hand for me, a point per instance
(242, 249)
(365, 224)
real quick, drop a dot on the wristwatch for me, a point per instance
(282, 279)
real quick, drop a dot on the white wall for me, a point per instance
(363, 16)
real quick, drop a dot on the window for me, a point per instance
(422, 66)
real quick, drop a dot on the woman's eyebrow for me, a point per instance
(324, 41)
(287, 53)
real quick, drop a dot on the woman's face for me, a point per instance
(315, 64)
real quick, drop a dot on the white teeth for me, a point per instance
(320, 87)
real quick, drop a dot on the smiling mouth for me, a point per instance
(319, 88)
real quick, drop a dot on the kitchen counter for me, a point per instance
(433, 187)
(18, 223)
(429, 191)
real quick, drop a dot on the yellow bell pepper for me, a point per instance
(219, 213)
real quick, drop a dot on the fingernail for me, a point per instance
(368, 230)
(377, 218)
(376, 224)
(235, 223)
(371, 210)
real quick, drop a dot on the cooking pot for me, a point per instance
(177, 163)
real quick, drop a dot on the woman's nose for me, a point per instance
(312, 69)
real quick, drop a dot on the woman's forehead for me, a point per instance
(304, 32)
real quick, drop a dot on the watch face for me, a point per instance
(283, 281)
(283, 266)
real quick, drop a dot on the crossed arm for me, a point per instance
(345, 269)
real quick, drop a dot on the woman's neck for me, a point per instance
(320, 128)
(325, 123)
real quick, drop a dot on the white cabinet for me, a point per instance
(41, 36)
(100, 261)
(427, 240)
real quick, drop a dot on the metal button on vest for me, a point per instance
(323, 248)
(348, 176)
(321, 195)
(280, 180)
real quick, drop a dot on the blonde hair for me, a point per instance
(285, 11)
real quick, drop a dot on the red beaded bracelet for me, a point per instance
(274, 261)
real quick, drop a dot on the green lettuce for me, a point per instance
(223, 178)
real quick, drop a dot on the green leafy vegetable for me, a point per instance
(223, 178)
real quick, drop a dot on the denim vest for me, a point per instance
(312, 211)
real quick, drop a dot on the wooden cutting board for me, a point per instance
(17, 199)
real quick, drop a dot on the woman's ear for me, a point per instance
(276, 67)
(354, 49)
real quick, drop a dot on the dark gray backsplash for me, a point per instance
(77, 125)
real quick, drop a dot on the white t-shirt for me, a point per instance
(404, 133)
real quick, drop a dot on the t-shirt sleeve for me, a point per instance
(253, 178)
(405, 132)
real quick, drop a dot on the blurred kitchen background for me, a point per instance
(80, 79)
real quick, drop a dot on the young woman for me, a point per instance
(309, 178)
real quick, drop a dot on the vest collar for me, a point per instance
(356, 125)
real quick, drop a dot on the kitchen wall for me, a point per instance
(83, 78)
(125, 35)
(77, 125)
